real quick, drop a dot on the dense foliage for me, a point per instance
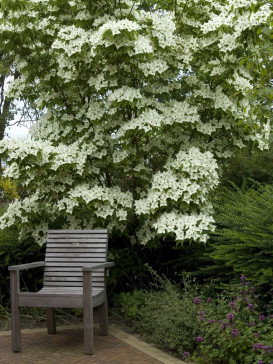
(235, 329)
(230, 328)
(247, 166)
(243, 239)
(141, 101)
(13, 252)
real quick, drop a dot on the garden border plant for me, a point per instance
(233, 327)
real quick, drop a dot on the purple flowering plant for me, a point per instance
(233, 330)
(233, 327)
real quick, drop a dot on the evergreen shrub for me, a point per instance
(243, 240)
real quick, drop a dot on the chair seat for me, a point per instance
(68, 290)
(59, 297)
(97, 295)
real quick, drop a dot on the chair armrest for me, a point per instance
(95, 266)
(27, 266)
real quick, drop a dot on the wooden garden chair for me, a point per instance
(74, 276)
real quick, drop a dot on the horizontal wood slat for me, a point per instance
(102, 231)
(64, 264)
(63, 244)
(46, 300)
(63, 284)
(71, 274)
(75, 255)
(58, 290)
(79, 238)
(73, 248)
(69, 270)
(70, 279)
(71, 284)
(76, 260)
(63, 279)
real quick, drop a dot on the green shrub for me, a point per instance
(129, 266)
(249, 164)
(162, 322)
(129, 303)
(243, 240)
(163, 315)
(13, 252)
(230, 328)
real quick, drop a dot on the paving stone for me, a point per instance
(66, 347)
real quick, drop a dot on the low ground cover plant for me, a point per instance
(233, 327)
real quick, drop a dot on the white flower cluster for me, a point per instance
(153, 67)
(120, 155)
(105, 201)
(96, 110)
(115, 27)
(20, 212)
(180, 112)
(186, 48)
(45, 155)
(164, 28)
(124, 93)
(189, 177)
(241, 83)
(70, 39)
(147, 121)
(185, 226)
(263, 136)
(118, 25)
(142, 45)
(172, 112)
(231, 15)
(220, 99)
(16, 87)
(198, 165)
(99, 82)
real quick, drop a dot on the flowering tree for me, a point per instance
(141, 104)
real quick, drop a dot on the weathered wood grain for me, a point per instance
(74, 276)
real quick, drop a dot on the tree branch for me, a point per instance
(132, 8)
(183, 10)
(55, 87)
(120, 9)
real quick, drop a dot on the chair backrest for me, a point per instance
(68, 250)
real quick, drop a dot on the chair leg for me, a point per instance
(88, 332)
(51, 322)
(88, 314)
(16, 329)
(15, 311)
(103, 319)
